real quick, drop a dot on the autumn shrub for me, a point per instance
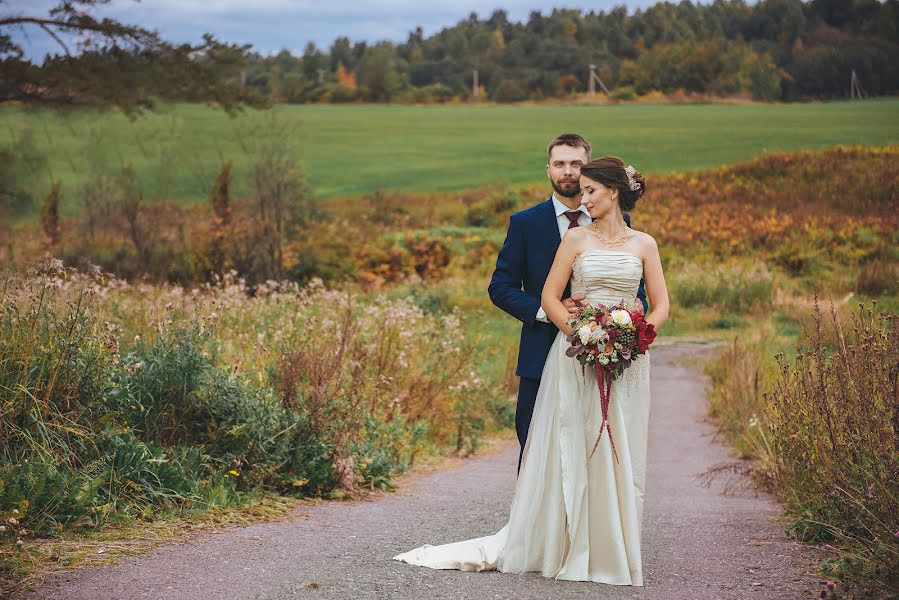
(494, 209)
(730, 289)
(624, 93)
(824, 430)
(119, 400)
(879, 277)
(835, 415)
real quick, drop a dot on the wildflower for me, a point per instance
(870, 493)
(234, 473)
(831, 585)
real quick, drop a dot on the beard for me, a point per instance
(568, 188)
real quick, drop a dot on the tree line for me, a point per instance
(771, 50)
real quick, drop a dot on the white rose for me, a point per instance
(621, 317)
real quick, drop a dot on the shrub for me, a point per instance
(493, 210)
(836, 442)
(624, 93)
(825, 434)
(508, 90)
(878, 277)
(731, 290)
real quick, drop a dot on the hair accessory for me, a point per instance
(634, 185)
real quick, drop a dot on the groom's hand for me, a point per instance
(574, 303)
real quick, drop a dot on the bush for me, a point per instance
(878, 277)
(731, 290)
(493, 210)
(824, 432)
(190, 414)
(508, 90)
(836, 442)
(624, 93)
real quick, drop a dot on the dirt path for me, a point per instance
(698, 543)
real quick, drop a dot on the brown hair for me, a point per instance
(569, 139)
(609, 171)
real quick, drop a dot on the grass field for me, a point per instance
(352, 150)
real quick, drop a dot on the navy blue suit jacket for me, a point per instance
(517, 283)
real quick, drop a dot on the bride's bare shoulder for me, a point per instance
(644, 241)
(575, 235)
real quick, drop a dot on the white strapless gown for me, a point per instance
(572, 518)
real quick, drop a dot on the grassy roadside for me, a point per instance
(88, 548)
(815, 412)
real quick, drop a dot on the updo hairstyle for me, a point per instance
(609, 171)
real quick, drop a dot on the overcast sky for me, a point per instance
(271, 25)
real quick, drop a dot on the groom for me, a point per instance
(525, 259)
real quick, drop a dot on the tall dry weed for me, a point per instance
(834, 417)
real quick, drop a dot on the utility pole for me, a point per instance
(592, 80)
(855, 87)
(474, 83)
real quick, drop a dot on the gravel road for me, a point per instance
(697, 542)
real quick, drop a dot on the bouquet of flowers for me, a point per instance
(609, 339)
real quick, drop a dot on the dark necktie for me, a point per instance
(573, 216)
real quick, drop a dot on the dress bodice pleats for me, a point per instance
(607, 277)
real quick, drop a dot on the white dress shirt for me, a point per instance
(563, 223)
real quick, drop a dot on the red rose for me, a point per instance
(645, 337)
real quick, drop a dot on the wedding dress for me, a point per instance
(574, 518)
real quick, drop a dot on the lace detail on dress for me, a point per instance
(638, 372)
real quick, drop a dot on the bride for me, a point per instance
(576, 518)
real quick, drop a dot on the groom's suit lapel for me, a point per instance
(551, 221)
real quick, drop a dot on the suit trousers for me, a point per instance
(524, 410)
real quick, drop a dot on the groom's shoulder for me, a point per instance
(531, 211)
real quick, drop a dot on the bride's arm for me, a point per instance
(655, 285)
(559, 274)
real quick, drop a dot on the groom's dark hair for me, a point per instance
(568, 139)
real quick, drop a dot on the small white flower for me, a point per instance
(584, 333)
(621, 317)
(599, 335)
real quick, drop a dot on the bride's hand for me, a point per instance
(574, 303)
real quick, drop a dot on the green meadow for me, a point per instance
(354, 149)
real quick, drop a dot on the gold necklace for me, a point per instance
(612, 242)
